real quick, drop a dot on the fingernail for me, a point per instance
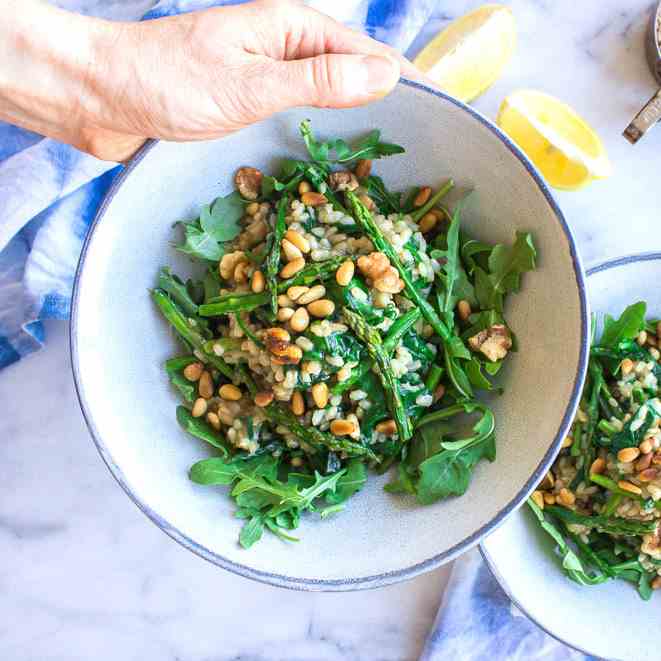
(382, 73)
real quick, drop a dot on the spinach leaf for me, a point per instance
(350, 483)
(626, 327)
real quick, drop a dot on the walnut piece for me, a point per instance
(248, 182)
(229, 262)
(377, 268)
(493, 342)
(343, 181)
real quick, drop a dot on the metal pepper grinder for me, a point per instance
(651, 111)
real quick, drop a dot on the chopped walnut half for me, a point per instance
(493, 342)
(342, 181)
(651, 545)
(248, 182)
(230, 262)
(377, 268)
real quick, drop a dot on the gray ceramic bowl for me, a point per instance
(119, 343)
(602, 620)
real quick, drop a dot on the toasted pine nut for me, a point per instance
(387, 427)
(648, 475)
(598, 466)
(321, 308)
(626, 366)
(257, 283)
(276, 335)
(367, 201)
(296, 291)
(252, 208)
(292, 268)
(344, 273)
(627, 455)
(645, 446)
(343, 374)
(263, 398)
(285, 302)
(464, 310)
(314, 294)
(313, 199)
(297, 403)
(294, 354)
(290, 250)
(320, 395)
(427, 223)
(631, 488)
(642, 338)
(422, 197)
(296, 462)
(213, 420)
(300, 320)
(656, 583)
(205, 385)
(644, 462)
(230, 392)
(538, 498)
(304, 187)
(342, 427)
(567, 442)
(567, 498)
(285, 314)
(363, 168)
(193, 372)
(299, 241)
(549, 499)
(199, 407)
(439, 392)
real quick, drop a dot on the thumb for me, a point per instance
(333, 80)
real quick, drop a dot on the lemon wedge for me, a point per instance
(559, 142)
(469, 55)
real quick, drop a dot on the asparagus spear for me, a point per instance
(390, 342)
(177, 290)
(450, 341)
(279, 415)
(313, 436)
(273, 258)
(372, 340)
(248, 302)
(187, 331)
(609, 524)
(431, 202)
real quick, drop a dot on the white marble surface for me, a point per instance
(86, 576)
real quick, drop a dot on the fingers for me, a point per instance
(330, 80)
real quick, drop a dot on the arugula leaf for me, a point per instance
(386, 201)
(449, 472)
(252, 531)
(200, 429)
(626, 327)
(338, 151)
(506, 264)
(200, 244)
(174, 368)
(221, 220)
(634, 431)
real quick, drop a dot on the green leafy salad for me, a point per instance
(601, 501)
(338, 327)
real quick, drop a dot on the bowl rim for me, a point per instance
(600, 267)
(386, 578)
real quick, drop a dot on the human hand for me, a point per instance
(205, 74)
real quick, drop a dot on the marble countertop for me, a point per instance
(87, 576)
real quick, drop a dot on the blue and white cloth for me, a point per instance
(49, 194)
